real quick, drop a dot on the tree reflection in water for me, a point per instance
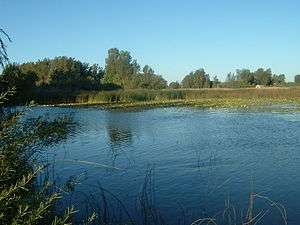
(120, 131)
(119, 136)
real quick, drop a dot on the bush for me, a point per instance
(22, 199)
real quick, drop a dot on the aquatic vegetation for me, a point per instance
(24, 200)
(205, 98)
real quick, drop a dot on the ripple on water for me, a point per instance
(199, 157)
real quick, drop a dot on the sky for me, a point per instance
(173, 37)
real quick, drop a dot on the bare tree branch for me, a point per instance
(3, 53)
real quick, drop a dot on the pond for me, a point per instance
(175, 165)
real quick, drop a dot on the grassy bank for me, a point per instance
(207, 98)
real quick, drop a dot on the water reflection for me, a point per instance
(119, 136)
(201, 158)
(120, 128)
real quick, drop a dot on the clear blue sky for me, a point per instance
(174, 37)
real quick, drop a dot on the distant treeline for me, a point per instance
(246, 78)
(51, 78)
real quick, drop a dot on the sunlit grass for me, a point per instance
(205, 98)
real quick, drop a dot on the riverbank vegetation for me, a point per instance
(27, 196)
(67, 80)
(205, 98)
(25, 199)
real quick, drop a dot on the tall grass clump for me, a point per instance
(24, 200)
(129, 96)
(205, 97)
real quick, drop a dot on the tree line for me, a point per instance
(247, 78)
(63, 74)
(121, 71)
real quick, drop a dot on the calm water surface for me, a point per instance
(197, 159)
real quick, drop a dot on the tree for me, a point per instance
(174, 85)
(196, 79)
(245, 76)
(120, 68)
(149, 80)
(148, 70)
(96, 74)
(297, 79)
(216, 82)
(278, 79)
(65, 73)
(3, 53)
(263, 77)
(232, 81)
(24, 82)
(230, 77)
(42, 68)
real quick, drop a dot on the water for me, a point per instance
(198, 159)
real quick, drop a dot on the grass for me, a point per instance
(25, 192)
(205, 98)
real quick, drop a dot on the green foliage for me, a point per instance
(149, 80)
(22, 199)
(60, 72)
(128, 96)
(216, 83)
(186, 96)
(72, 74)
(297, 79)
(123, 71)
(263, 77)
(24, 82)
(246, 78)
(41, 68)
(196, 79)
(50, 81)
(120, 68)
(278, 80)
(65, 73)
(174, 85)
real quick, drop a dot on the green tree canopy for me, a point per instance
(297, 79)
(263, 77)
(174, 85)
(149, 80)
(61, 72)
(120, 68)
(196, 79)
(216, 82)
(24, 82)
(245, 76)
(278, 79)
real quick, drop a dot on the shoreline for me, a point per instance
(226, 103)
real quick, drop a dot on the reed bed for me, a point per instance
(186, 94)
(179, 97)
